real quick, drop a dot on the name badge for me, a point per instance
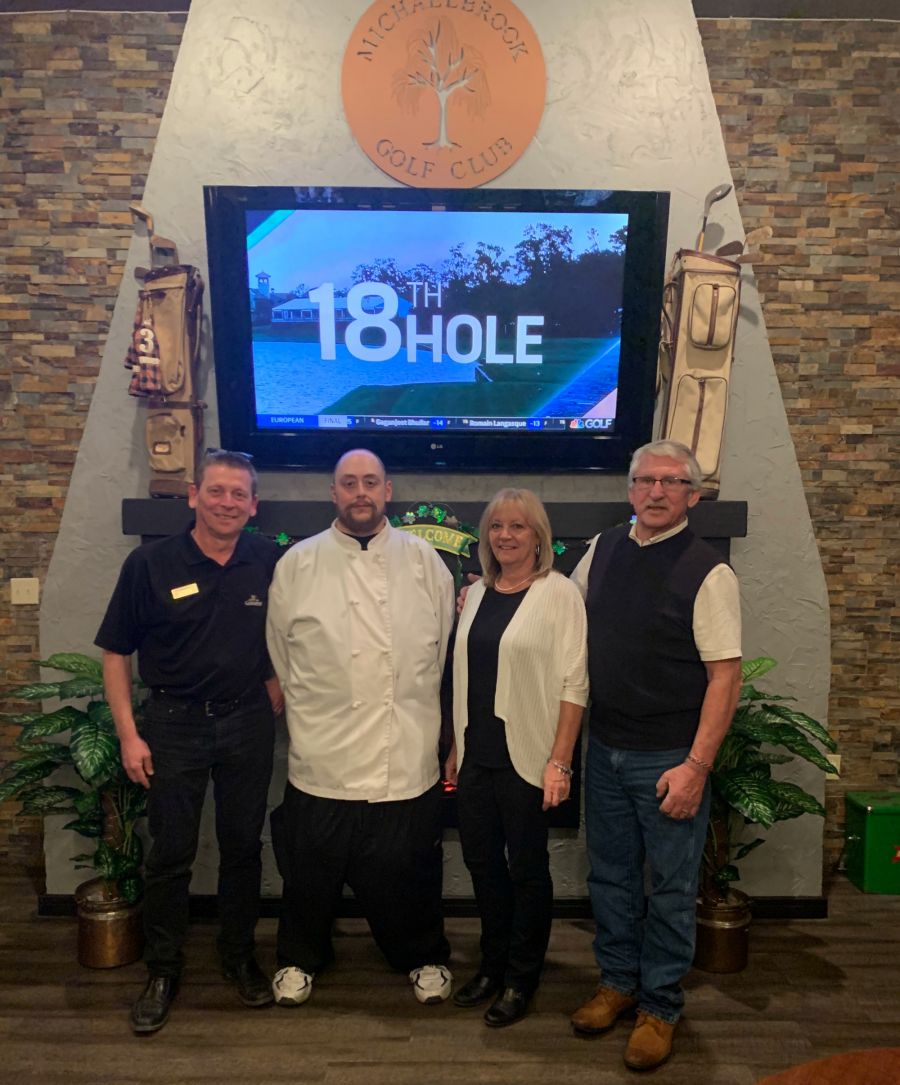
(184, 591)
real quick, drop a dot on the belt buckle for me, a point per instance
(214, 709)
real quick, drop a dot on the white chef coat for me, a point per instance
(358, 640)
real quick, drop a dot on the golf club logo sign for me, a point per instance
(443, 93)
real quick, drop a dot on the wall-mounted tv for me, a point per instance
(472, 330)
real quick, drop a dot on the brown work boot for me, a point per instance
(600, 1012)
(650, 1043)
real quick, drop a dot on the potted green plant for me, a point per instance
(766, 731)
(104, 805)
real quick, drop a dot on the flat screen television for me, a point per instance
(467, 330)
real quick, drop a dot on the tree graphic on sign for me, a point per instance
(438, 64)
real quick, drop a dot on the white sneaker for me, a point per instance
(431, 982)
(292, 986)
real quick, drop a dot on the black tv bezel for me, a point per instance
(502, 451)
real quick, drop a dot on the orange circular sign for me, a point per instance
(443, 93)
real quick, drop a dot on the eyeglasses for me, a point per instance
(670, 483)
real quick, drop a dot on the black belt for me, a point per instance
(212, 709)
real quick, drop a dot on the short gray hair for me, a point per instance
(673, 450)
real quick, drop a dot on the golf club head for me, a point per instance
(714, 195)
(761, 233)
(735, 248)
(731, 248)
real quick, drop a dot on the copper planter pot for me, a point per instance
(723, 933)
(110, 931)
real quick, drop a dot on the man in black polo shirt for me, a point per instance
(664, 647)
(193, 606)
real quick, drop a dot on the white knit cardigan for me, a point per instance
(542, 661)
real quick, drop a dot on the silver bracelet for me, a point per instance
(560, 767)
(691, 760)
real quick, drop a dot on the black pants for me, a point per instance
(188, 748)
(503, 832)
(391, 856)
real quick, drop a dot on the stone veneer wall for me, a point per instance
(810, 115)
(81, 96)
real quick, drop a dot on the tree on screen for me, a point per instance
(458, 267)
(615, 243)
(437, 64)
(618, 240)
(381, 270)
(423, 273)
(490, 264)
(543, 250)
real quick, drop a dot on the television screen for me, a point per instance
(486, 329)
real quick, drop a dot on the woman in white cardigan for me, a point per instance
(520, 686)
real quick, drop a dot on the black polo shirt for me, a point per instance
(199, 628)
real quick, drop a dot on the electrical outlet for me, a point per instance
(835, 759)
(25, 590)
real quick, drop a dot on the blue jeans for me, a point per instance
(188, 749)
(644, 944)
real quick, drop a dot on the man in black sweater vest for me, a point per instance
(664, 655)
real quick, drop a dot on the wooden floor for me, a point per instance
(813, 988)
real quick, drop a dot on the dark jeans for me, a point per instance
(644, 944)
(391, 856)
(503, 832)
(188, 748)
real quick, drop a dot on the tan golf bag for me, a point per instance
(699, 320)
(163, 358)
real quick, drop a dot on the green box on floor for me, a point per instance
(872, 828)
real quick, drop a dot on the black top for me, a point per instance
(199, 628)
(647, 679)
(485, 736)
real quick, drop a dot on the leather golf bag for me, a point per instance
(163, 359)
(701, 299)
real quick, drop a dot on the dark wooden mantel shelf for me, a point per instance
(573, 522)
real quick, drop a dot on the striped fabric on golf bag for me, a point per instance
(163, 357)
(701, 299)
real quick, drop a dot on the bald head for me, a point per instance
(364, 452)
(360, 492)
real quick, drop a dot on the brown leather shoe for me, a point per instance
(601, 1012)
(650, 1043)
